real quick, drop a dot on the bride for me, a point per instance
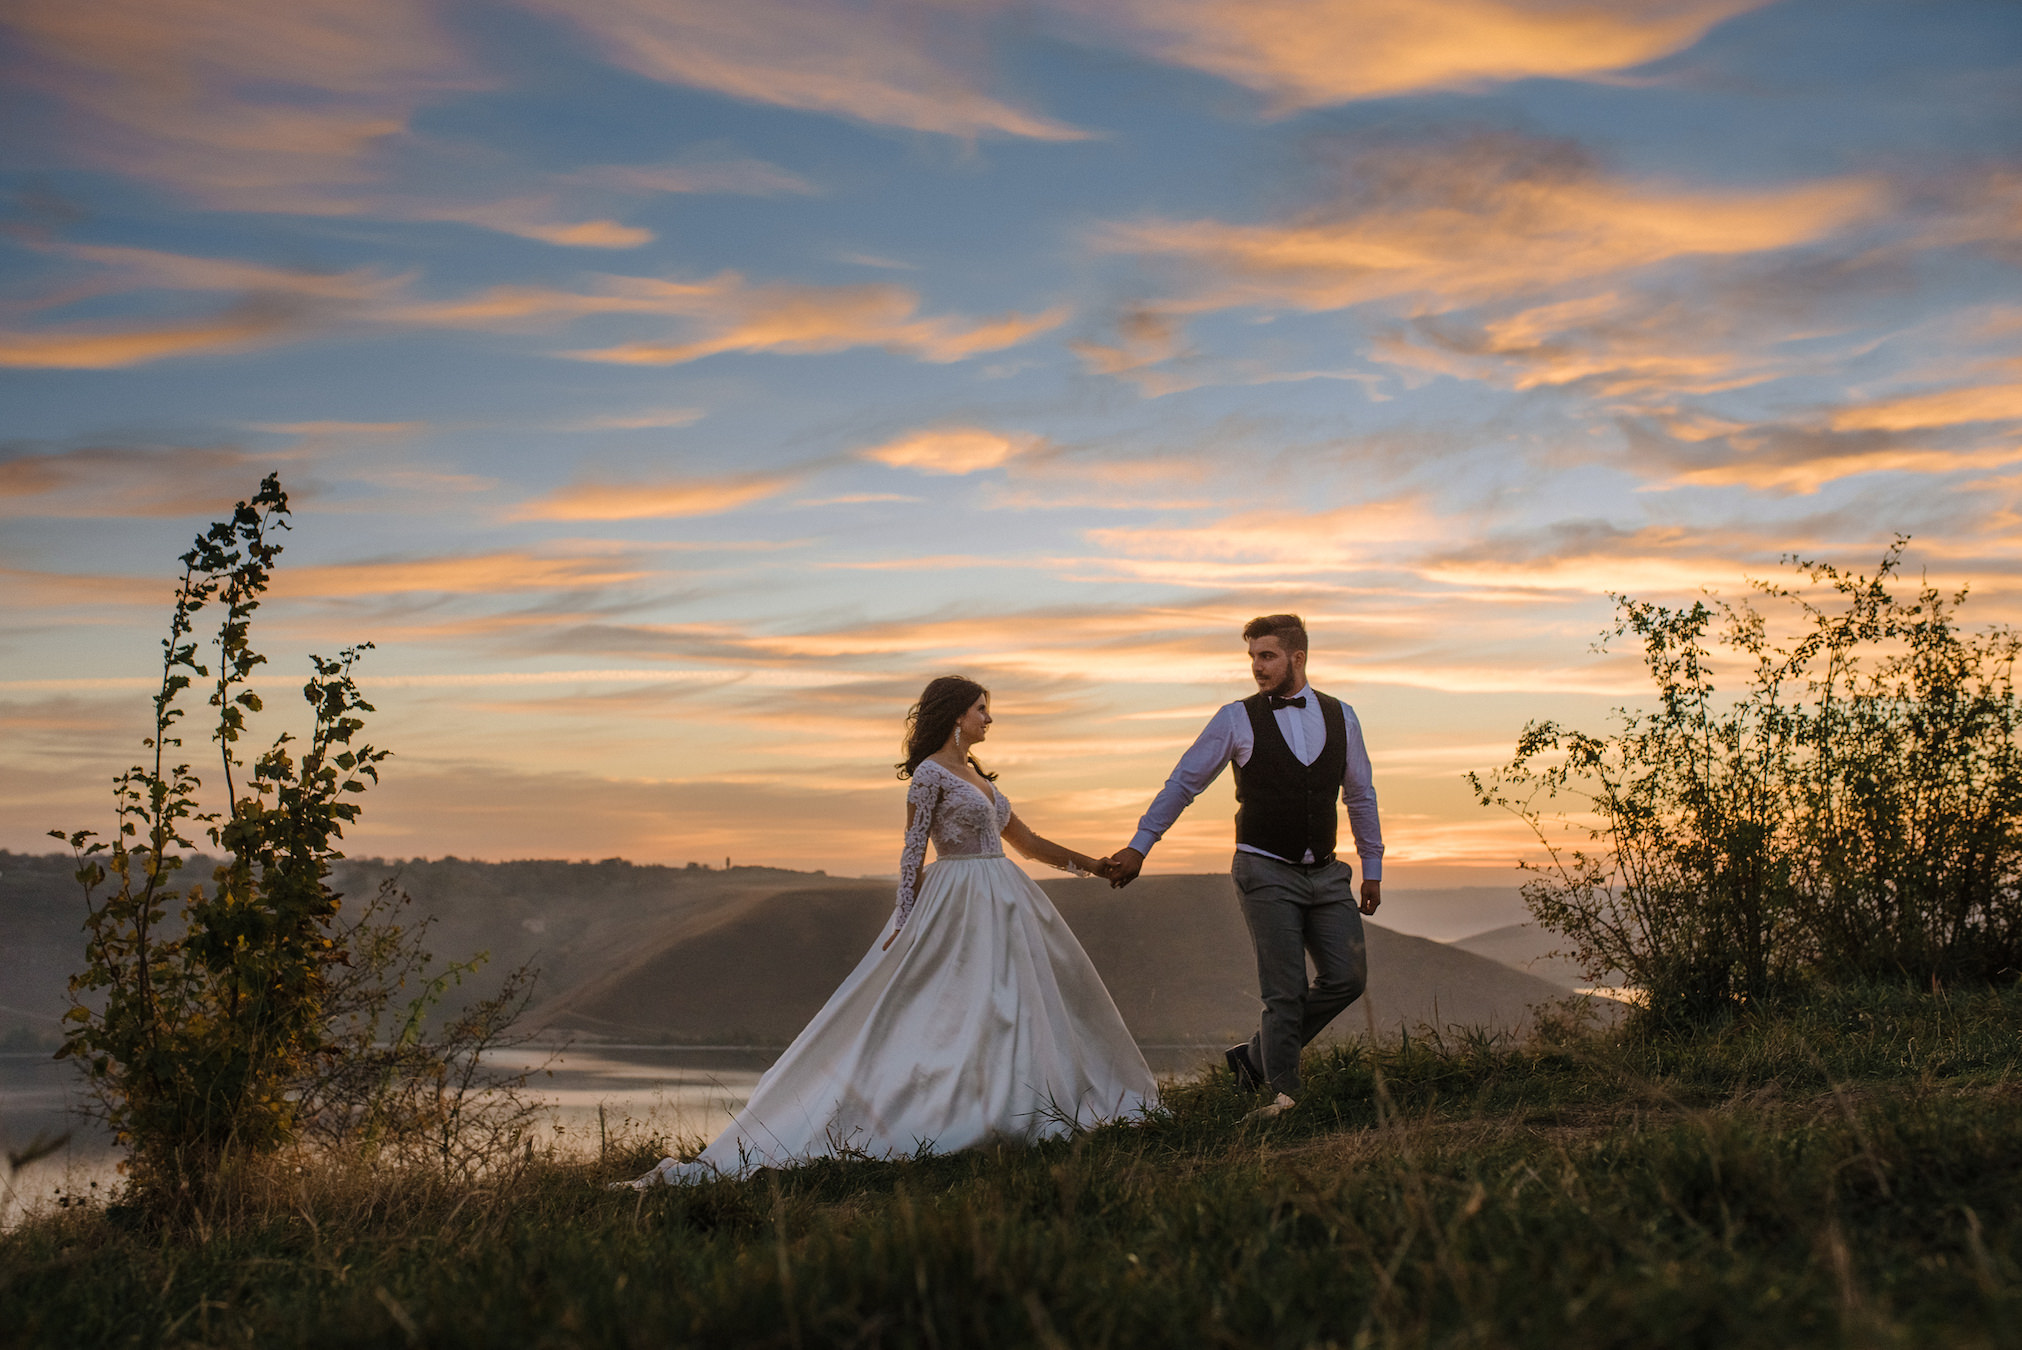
(978, 1018)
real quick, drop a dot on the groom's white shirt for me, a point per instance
(1228, 739)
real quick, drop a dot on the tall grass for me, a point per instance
(1839, 1172)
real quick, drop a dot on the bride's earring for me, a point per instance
(958, 738)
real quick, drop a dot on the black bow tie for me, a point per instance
(1277, 703)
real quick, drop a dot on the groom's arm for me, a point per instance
(1199, 766)
(1358, 796)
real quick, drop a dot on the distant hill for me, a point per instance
(41, 943)
(1172, 949)
(574, 920)
(700, 955)
(1531, 949)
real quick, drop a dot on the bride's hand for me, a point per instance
(1102, 867)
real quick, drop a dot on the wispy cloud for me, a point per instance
(917, 66)
(478, 574)
(1966, 403)
(739, 176)
(650, 419)
(255, 107)
(536, 217)
(1506, 258)
(720, 314)
(951, 450)
(1940, 432)
(662, 499)
(1309, 53)
(274, 305)
(107, 346)
(81, 592)
(1484, 218)
(339, 428)
(877, 261)
(856, 499)
(127, 481)
(1277, 541)
(816, 319)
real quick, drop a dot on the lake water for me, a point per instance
(678, 1092)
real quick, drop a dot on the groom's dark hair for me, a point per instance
(1289, 629)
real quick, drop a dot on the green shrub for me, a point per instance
(195, 1026)
(1852, 811)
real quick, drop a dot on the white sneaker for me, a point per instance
(1277, 1108)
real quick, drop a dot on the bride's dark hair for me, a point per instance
(932, 720)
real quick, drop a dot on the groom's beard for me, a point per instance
(1284, 687)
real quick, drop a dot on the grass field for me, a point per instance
(1842, 1171)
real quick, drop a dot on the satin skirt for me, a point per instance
(983, 1021)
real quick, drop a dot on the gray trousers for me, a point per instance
(1293, 912)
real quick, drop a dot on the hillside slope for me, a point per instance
(631, 952)
(1529, 948)
(1172, 949)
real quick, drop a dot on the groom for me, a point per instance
(1293, 747)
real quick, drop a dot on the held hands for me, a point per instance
(1122, 867)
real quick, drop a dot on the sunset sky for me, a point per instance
(668, 388)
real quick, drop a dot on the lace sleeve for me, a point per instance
(923, 797)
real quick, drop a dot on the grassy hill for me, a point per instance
(1835, 1173)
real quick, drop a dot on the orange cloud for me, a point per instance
(523, 306)
(534, 217)
(656, 419)
(1557, 252)
(247, 106)
(1470, 230)
(1309, 53)
(1940, 431)
(1276, 542)
(103, 481)
(1814, 474)
(1939, 408)
(337, 428)
(651, 501)
(543, 215)
(1805, 459)
(1146, 339)
(108, 346)
(951, 450)
(301, 107)
(885, 64)
(727, 313)
(472, 574)
(156, 269)
(1596, 559)
(1620, 345)
(738, 177)
(815, 319)
(735, 316)
(277, 304)
(73, 591)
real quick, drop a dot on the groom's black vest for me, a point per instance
(1286, 807)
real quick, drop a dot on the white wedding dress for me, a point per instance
(984, 1020)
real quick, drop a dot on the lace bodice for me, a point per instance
(952, 812)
